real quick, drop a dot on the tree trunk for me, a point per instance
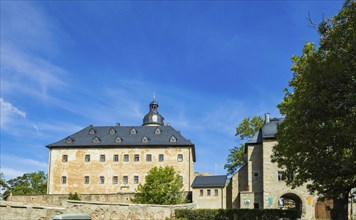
(340, 210)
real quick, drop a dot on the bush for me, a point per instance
(74, 196)
(236, 214)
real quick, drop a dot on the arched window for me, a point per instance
(69, 140)
(96, 140)
(144, 139)
(118, 139)
(157, 131)
(133, 131)
(173, 139)
(91, 131)
(112, 131)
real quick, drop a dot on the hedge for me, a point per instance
(236, 214)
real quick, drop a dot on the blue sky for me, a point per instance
(68, 64)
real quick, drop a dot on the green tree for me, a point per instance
(246, 129)
(28, 184)
(317, 140)
(3, 185)
(73, 196)
(162, 186)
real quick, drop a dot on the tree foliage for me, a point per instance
(162, 186)
(317, 140)
(3, 185)
(246, 129)
(73, 196)
(28, 184)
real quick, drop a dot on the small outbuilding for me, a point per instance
(210, 192)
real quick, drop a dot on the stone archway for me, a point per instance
(290, 201)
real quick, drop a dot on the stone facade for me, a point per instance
(96, 210)
(58, 199)
(210, 198)
(77, 171)
(259, 184)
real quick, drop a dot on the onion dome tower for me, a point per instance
(153, 118)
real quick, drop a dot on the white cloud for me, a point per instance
(9, 113)
(27, 43)
(10, 173)
(17, 166)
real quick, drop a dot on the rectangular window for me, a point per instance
(87, 158)
(149, 157)
(216, 192)
(116, 158)
(136, 179)
(126, 158)
(136, 157)
(161, 158)
(125, 180)
(201, 192)
(115, 180)
(64, 180)
(281, 175)
(102, 158)
(102, 180)
(180, 157)
(65, 158)
(86, 180)
(208, 192)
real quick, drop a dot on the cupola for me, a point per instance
(153, 118)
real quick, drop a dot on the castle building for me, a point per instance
(260, 183)
(114, 159)
(211, 192)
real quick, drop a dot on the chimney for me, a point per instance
(267, 119)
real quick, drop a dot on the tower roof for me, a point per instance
(153, 118)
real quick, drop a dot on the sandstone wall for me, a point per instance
(75, 169)
(274, 189)
(212, 201)
(97, 211)
(54, 199)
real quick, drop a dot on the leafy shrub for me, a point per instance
(236, 214)
(74, 196)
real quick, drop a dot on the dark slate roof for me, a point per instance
(145, 136)
(257, 138)
(268, 130)
(209, 181)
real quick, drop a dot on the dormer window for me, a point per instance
(133, 131)
(112, 131)
(144, 140)
(157, 131)
(91, 131)
(118, 139)
(96, 140)
(69, 140)
(173, 139)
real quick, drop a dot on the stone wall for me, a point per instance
(74, 174)
(54, 199)
(97, 211)
(274, 188)
(216, 199)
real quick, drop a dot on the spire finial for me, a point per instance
(154, 96)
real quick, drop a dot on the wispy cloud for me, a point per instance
(17, 166)
(27, 41)
(28, 75)
(9, 113)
